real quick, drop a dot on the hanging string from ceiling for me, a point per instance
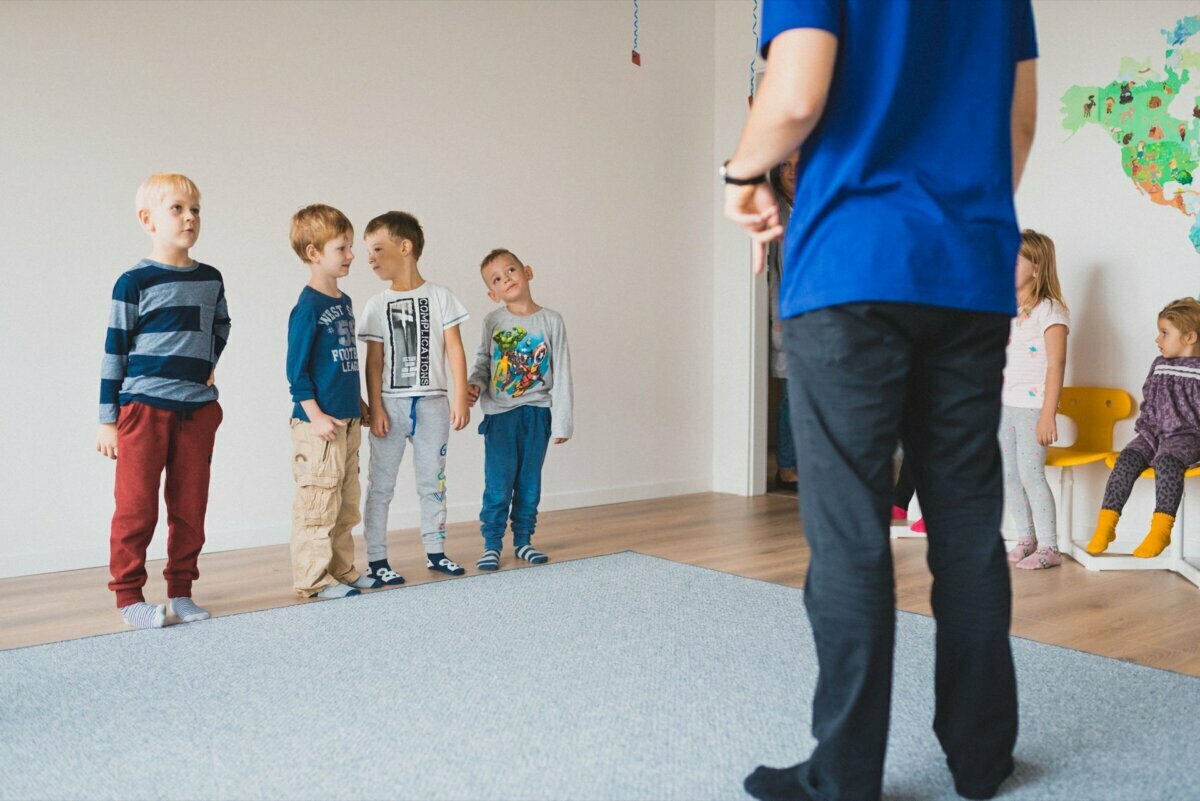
(637, 57)
(754, 58)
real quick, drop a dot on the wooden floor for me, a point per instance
(1148, 617)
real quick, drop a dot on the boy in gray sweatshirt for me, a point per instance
(522, 379)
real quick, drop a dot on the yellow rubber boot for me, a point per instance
(1158, 538)
(1106, 532)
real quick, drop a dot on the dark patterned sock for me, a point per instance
(382, 571)
(440, 563)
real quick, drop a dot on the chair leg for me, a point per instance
(1176, 547)
(1066, 492)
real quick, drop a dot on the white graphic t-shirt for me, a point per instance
(411, 326)
(1025, 360)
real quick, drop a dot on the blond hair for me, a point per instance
(160, 184)
(315, 225)
(1039, 250)
(1184, 314)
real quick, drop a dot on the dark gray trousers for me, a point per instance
(862, 377)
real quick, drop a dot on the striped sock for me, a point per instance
(188, 610)
(145, 616)
(532, 555)
(489, 561)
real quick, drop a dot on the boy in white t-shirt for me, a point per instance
(413, 341)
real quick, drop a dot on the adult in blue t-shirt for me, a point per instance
(914, 120)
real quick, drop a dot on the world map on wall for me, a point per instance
(1160, 152)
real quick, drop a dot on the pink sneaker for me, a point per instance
(1024, 547)
(1041, 559)
(899, 515)
(918, 527)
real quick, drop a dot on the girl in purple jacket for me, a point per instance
(1168, 431)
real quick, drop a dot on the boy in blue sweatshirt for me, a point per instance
(328, 411)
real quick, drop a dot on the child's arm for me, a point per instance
(562, 394)
(118, 341)
(221, 327)
(481, 372)
(1056, 364)
(379, 419)
(301, 338)
(460, 411)
(323, 425)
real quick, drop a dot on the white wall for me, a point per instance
(499, 124)
(1121, 258)
(739, 311)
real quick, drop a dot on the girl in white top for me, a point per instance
(1033, 379)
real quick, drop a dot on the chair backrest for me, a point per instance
(1095, 411)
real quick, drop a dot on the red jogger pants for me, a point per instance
(150, 440)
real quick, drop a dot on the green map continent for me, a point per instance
(1160, 152)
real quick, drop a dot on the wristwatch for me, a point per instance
(729, 179)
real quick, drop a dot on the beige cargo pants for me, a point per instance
(326, 507)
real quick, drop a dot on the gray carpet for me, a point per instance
(619, 677)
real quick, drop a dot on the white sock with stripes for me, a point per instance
(188, 610)
(489, 561)
(532, 555)
(145, 616)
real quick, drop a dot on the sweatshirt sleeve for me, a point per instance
(481, 370)
(1146, 414)
(562, 394)
(118, 341)
(221, 324)
(301, 328)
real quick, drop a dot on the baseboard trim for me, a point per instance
(55, 560)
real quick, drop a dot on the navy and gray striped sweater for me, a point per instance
(166, 331)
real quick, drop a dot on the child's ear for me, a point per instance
(311, 254)
(492, 295)
(528, 272)
(146, 220)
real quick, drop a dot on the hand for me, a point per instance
(364, 412)
(1047, 429)
(326, 427)
(473, 392)
(380, 425)
(755, 210)
(560, 440)
(106, 440)
(460, 414)
(212, 379)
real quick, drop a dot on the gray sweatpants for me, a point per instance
(425, 421)
(1026, 492)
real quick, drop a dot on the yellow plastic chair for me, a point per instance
(1095, 411)
(1111, 461)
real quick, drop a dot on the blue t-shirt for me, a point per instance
(904, 189)
(322, 357)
